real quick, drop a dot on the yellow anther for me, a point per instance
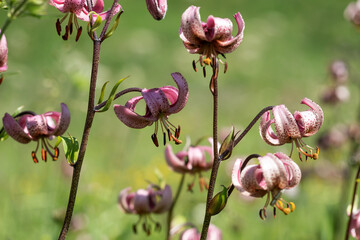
(279, 205)
(286, 211)
(207, 61)
(292, 206)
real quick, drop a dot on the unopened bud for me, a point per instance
(227, 146)
(157, 8)
(218, 203)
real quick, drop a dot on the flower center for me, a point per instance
(173, 133)
(69, 26)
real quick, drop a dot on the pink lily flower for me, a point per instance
(78, 9)
(28, 126)
(160, 103)
(214, 233)
(292, 128)
(273, 174)
(3, 55)
(143, 202)
(209, 38)
(352, 13)
(157, 8)
(192, 161)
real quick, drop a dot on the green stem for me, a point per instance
(171, 210)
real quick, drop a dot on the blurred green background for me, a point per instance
(284, 57)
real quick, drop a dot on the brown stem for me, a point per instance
(216, 164)
(352, 203)
(87, 127)
(171, 210)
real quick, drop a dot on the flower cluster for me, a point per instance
(291, 128)
(27, 126)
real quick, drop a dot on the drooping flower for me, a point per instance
(144, 202)
(291, 128)
(27, 126)
(157, 8)
(160, 103)
(274, 173)
(352, 13)
(193, 161)
(209, 38)
(3, 55)
(78, 9)
(214, 233)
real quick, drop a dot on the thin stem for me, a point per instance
(119, 94)
(88, 123)
(216, 164)
(170, 213)
(352, 203)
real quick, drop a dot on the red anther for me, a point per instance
(155, 140)
(34, 157)
(71, 28)
(274, 212)
(66, 35)
(169, 133)
(177, 133)
(56, 155)
(78, 34)
(43, 154)
(58, 27)
(194, 65)
(204, 72)
(164, 136)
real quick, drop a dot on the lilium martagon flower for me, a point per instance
(160, 103)
(157, 8)
(274, 174)
(144, 202)
(210, 38)
(78, 9)
(291, 128)
(28, 126)
(3, 56)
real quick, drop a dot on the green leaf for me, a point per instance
(114, 26)
(101, 98)
(71, 148)
(95, 25)
(112, 95)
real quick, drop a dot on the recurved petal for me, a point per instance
(266, 131)
(166, 200)
(126, 200)
(309, 121)
(141, 202)
(183, 93)
(223, 29)
(285, 124)
(273, 171)
(293, 172)
(98, 6)
(174, 162)
(64, 121)
(156, 101)
(130, 118)
(14, 130)
(191, 25)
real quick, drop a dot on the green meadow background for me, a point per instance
(284, 57)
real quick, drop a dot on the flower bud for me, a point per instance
(218, 202)
(3, 54)
(227, 146)
(157, 8)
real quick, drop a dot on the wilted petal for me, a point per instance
(14, 130)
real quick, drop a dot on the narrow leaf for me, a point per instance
(114, 26)
(112, 95)
(101, 98)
